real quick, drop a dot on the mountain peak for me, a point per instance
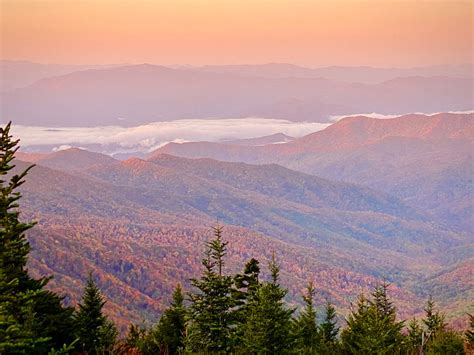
(74, 159)
(354, 131)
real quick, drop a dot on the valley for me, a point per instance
(140, 224)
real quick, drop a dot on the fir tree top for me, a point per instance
(14, 247)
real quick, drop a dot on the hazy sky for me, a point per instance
(307, 32)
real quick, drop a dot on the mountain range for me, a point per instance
(138, 94)
(140, 224)
(426, 161)
(17, 74)
(360, 74)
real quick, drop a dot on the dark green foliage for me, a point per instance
(470, 332)
(267, 327)
(446, 342)
(95, 331)
(373, 328)
(414, 337)
(434, 320)
(245, 287)
(247, 283)
(16, 321)
(137, 341)
(306, 331)
(134, 337)
(329, 330)
(66, 349)
(212, 316)
(172, 325)
(439, 339)
(32, 319)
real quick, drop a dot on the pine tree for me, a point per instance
(470, 332)
(434, 320)
(446, 342)
(212, 314)
(245, 287)
(373, 327)
(267, 328)
(32, 319)
(172, 325)
(329, 329)
(414, 337)
(138, 341)
(16, 318)
(95, 331)
(247, 283)
(307, 335)
(352, 336)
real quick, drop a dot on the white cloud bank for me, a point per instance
(151, 136)
(145, 138)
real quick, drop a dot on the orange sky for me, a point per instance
(314, 33)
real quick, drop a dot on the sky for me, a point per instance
(313, 33)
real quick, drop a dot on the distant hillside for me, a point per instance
(139, 254)
(276, 138)
(18, 74)
(360, 74)
(140, 226)
(425, 160)
(68, 159)
(138, 94)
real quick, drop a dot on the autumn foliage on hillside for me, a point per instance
(228, 308)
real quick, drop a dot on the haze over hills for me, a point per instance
(360, 74)
(140, 224)
(18, 74)
(276, 138)
(262, 177)
(121, 219)
(425, 160)
(138, 94)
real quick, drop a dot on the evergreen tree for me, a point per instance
(329, 329)
(95, 331)
(470, 332)
(414, 337)
(16, 318)
(373, 328)
(32, 319)
(212, 314)
(353, 335)
(135, 338)
(434, 320)
(247, 283)
(172, 325)
(446, 342)
(267, 327)
(307, 335)
(245, 287)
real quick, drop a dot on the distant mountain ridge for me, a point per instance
(412, 157)
(134, 221)
(348, 133)
(138, 94)
(359, 74)
(18, 74)
(68, 159)
(276, 138)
